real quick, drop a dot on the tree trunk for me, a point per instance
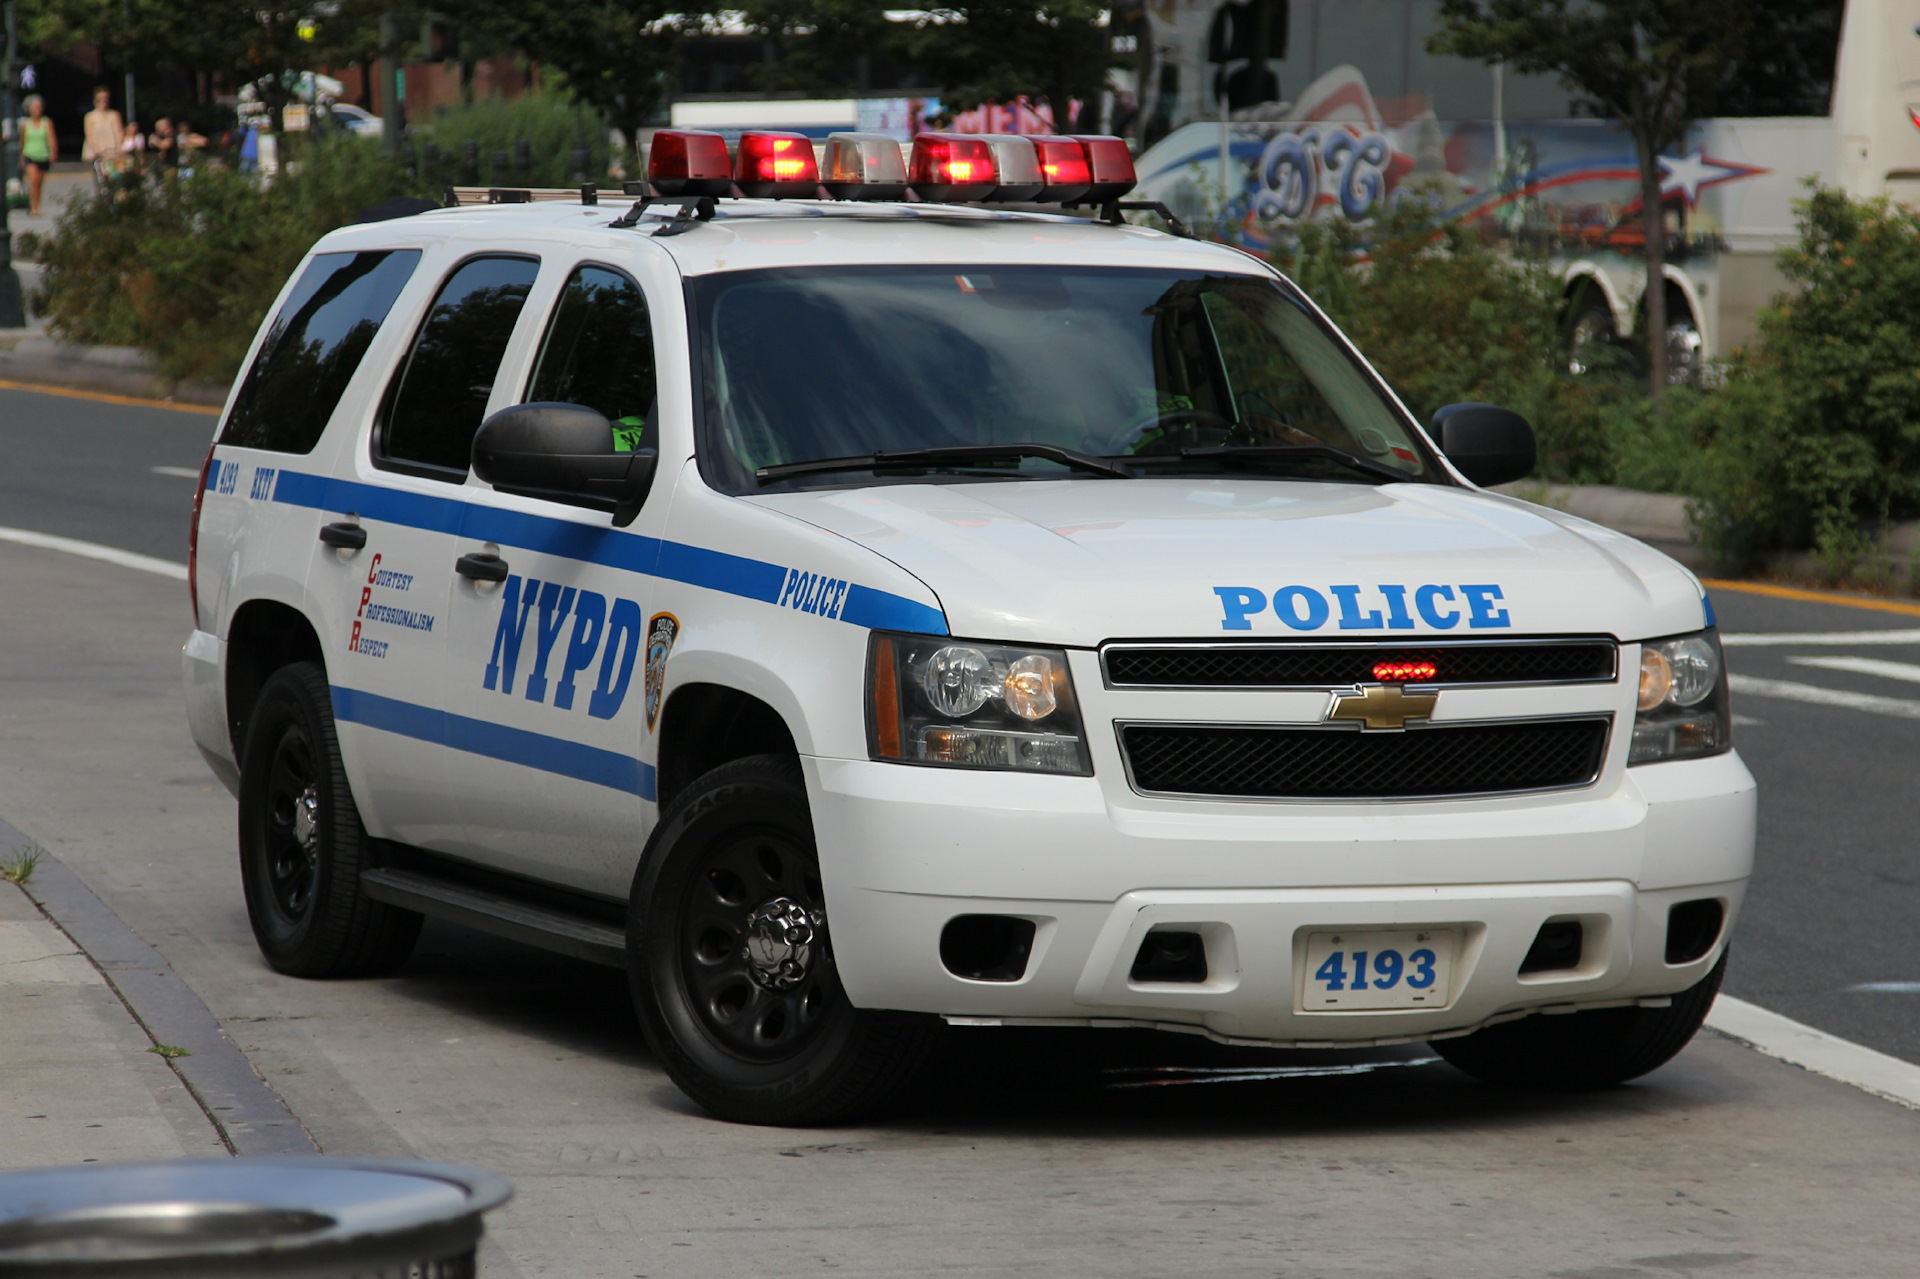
(1654, 304)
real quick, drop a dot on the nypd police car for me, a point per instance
(856, 612)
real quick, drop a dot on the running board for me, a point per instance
(490, 912)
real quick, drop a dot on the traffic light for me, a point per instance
(1242, 40)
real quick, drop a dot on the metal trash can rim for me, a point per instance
(292, 1213)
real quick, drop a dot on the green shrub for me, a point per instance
(1815, 438)
(186, 269)
(550, 123)
(1448, 317)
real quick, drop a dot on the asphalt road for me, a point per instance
(1038, 1152)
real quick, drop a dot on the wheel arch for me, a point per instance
(263, 636)
(704, 725)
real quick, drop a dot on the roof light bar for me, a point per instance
(690, 162)
(776, 166)
(864, 166)
(1018, 165)
(1110, 165)
(952, 167)
(1063, 169)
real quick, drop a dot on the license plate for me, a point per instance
(1365, 969)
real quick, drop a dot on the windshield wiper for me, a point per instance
(959, 455)
(1232, 454)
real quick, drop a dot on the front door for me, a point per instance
(547, 668)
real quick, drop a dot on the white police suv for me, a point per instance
(849, 614)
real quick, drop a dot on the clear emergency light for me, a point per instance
(691, 162)
(952, 168)
(864, 166)
(775, 166)
(1018, 165)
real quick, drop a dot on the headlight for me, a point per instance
(970, 705)
(1683, 711)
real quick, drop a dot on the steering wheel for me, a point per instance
(1134, 433)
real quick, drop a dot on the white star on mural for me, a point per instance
(1687, 174)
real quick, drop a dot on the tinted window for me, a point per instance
(598, 350)
(441, 392)
(313, 348)
(813, 363)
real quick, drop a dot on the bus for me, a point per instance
(1359, 113)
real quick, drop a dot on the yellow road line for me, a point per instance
(105, 398)
(1815, 597)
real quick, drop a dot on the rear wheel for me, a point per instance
(1585, 1050)
(732, 964)
(302, 846)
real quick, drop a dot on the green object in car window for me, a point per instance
(626, 434)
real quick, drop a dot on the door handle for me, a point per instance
(344, 537)
(481, 567)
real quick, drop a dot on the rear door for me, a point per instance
(546, 670)
(384, 605)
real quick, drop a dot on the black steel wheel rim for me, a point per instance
(747, 1017)
(291, 862)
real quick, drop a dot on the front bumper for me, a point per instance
(904, 850)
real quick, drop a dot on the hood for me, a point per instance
(1080, 562)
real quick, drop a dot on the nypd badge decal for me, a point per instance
(661, 632)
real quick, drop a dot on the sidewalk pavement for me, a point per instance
(80, 1083)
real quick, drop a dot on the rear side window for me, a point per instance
(440, 393)
(313, 348)
(598, 351)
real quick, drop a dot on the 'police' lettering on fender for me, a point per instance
(1352, 607)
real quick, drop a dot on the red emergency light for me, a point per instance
(690, 162)
(1405, 672)
(1063, 169)
(1109, 165)
(776, 166)
(952, 167)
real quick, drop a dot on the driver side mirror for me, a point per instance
(1486, 443)
(563, 453)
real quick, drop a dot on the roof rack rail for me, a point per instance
(585, 193)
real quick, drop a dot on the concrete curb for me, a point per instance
(122, 370)
(249, 1114)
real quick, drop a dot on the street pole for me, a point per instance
(13, 315)
(392, 117)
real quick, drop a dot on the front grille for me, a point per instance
(1340, 665)
(1254, 762)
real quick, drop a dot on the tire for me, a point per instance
(1585, 1050)
(301, 870)
(761, 1036)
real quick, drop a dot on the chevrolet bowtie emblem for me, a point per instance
(1381, 705)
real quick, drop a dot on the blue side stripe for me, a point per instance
(610, 547)
(496, 741)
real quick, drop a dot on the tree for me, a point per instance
(816, 46)
(619, 56)
(1654, 66)
(1002, 49)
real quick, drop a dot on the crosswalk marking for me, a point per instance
(1864, 666)
(1827, 639)
(1788, 690)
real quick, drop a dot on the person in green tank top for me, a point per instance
(39, 148)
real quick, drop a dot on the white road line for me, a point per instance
(95, 551)
(1787, 690)
(1827, 639)
(1885, 988)
(1863, 666)
(1816, 1050)
(184, 472)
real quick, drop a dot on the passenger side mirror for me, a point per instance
(564, 453)
(1488, 444)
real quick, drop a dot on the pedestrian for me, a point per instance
(250, 150)
(133, 149)
(39, 148)
(103, 135)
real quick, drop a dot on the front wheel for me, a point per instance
(1585, 1050)
(301, 843)
(732, 965)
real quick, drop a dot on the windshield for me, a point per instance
(1170, 372)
